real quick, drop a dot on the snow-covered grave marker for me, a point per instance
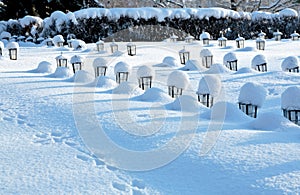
(184, 55)
(13, 49)
(77, 62)
(207, 58)
(61, 61)
(122, 70)
(208, 89)
(259, 63)
(100, 67)
(230, 61)
(177, 82)
(290, 64)
(290, 104)
(145, 75)
(251, 97)
(205, 37)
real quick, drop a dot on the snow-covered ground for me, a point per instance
(64, 135)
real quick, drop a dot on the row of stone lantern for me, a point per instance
(114, 47)
(76, 61)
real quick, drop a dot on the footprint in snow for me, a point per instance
(119, 186)
(7, 118)
(138, 184)
(83, 158)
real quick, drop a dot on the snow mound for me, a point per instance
(82, 76)
(290, 98)
(252, 93)
(62, 72)
(122, 67)
(99, 62)
(45, 67)
(170, 62)
(270, 121)
(229, 57)
(127, 88)
(217, 69)
(154, 95)
(245, 70)
(225, 111)
(192, 65)
(104, 82)
(178, 79)
(257, 60)
(289, 63)
(184, 103)
(5, 35)
(247, 49)
(205, 53)
(78, 44)
(145, 71)
(210, 84)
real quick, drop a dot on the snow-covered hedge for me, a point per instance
(94, 23)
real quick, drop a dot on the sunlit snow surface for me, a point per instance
(42, 151)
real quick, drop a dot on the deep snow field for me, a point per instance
(49, 143)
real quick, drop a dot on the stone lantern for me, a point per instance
(131, 49)
(113, 46)
(13, 48)
(208, 89)
(100, 45)
(259, 63)
(184, 55)
(251, 97)
(77, 62)
(230, 61)
(207, 58)
(222, 41)
(260, 43)
(145, 76)
(177, 82)
(205, 37)
(189, 38)
(295, 36)
(58, 40)
(100, 67)
(290, 64)
(173, 38)
(61, 61)
(122, 71)
(240, 42)
(290, 104)
(277, 35)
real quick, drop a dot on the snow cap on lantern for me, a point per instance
(290, 64)
(230, 61)
(209, 88)
(145, 75)
(205, 37)
(207, 57)
(259, 63)
(61, 60)
(58, 40)
(122, 70)
(100, 67)
(251, 97)
(77, 62)
(177, 82)
(290, 104)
